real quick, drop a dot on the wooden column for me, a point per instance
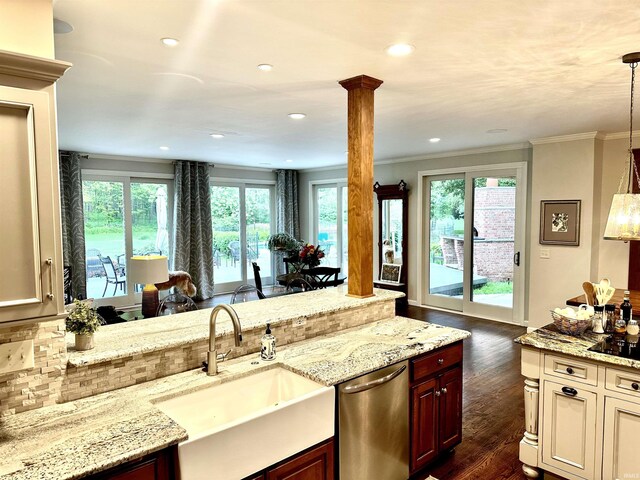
(360, 167)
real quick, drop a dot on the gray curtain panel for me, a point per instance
(287, 215)
(72, 212)
(193, 233)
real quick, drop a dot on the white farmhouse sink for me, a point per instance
(240, 427)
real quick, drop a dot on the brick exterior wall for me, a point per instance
(494, 219)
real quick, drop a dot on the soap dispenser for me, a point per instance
(268, 350)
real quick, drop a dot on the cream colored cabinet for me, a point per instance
(30, 242)
(582, 417)
(569, 428)
(621, 429)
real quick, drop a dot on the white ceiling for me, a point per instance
(537, 68)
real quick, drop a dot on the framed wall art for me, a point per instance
(560, 222)
(390, 272)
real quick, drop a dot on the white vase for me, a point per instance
(84, 342)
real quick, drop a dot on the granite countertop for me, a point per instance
(549, 338)
(71, 440)
(148, 335)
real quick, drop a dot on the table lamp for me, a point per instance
(149, 270)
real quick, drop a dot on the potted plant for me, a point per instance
(283, 242)
(83, 321)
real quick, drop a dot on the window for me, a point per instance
(330, 223)
(123, 216)
(243, 220)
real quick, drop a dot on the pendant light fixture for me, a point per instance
(624, 217)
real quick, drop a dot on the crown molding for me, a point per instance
(417, 158)
(568, 138)
(619, 135)
(457, 153)
(28, 66)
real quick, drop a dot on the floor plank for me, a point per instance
(493, 405)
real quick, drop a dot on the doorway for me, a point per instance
(473, 237)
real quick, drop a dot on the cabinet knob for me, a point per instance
(635, 386)
(444, 390)
(437, 393)
(570, 370)
(440, 361)
(572, 392)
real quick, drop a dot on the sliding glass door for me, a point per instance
(330, 223)
(243, 220)
(123, 217)
(473, 261)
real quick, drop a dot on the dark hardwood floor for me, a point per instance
(493, 405)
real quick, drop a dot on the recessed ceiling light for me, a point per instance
(217, 135)
(400, 49)
(288, 160)
(497, 130)
(60, 27)
(170, 42)
(265, 67)
(297, 116)
(164, 148)
(434, 140)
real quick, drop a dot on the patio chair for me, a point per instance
(234, 249)
(112, 275)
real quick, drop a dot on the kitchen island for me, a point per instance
(582, 407)
(96, 433)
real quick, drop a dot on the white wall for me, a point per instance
(564, 170)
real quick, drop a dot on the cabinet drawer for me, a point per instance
(623, 381)
(566, 368)
(433, 362)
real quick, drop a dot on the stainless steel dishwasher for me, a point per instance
(373, 425)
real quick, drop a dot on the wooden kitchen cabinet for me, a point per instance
(32, 265)
(155, 466)
(315, 463)
(436, 404)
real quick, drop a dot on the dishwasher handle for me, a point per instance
(373, 383)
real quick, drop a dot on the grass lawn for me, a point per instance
(491, 288)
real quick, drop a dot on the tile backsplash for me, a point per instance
(41, 385)
(52, 380)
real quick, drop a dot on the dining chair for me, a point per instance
(299, 284)
(111, 274)
(245, 293)
(276, 290)
(324, 277)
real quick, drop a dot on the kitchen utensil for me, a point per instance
(590, 293)
(604, 291)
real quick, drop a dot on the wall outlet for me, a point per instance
(299, 322)
(545, 253)
(16, 356)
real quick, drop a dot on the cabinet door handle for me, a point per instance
(572, 392)
(444, 390)
(50, 295)
(635, 386)
(437, 393)
(570, 370)
(440, 361)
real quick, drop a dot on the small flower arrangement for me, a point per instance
(83, 320)
(311, 255)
